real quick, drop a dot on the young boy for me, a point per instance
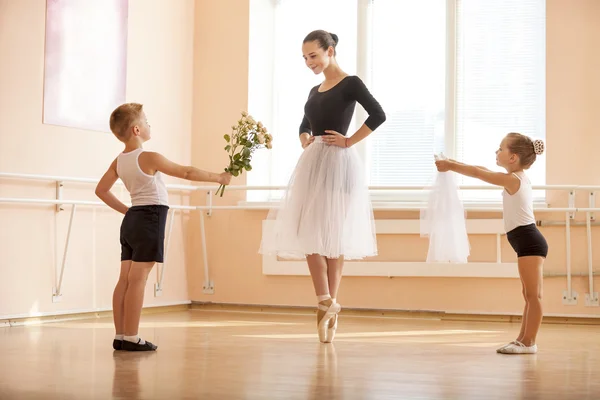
(143, 227)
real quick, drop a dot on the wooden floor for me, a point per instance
(234, 355)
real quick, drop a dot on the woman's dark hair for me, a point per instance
(324, 38)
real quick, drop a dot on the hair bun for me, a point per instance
(538, 146)
(335, 38)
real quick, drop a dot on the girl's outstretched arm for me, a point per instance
(508, 181)
(477, 166)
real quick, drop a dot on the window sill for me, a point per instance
(494, 206)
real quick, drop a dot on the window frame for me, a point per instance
(363, 70)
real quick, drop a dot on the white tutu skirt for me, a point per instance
(443, 221)
(326, 209)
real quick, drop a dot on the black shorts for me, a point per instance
(527, 240)
(143, 233)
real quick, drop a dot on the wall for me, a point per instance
(160, 68)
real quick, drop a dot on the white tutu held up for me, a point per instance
(443, 221)
(326, 209)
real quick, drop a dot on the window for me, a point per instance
(280, 81)
(452, 76)
(500, 79)
(407, 76)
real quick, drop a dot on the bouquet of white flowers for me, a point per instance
(247, 136)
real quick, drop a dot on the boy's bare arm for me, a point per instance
(104, 186)
(158, 162)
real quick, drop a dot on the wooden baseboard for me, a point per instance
(303, 310)
(85, 315)
(382, 313)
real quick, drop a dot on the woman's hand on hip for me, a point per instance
(306, 140)
(334, 138)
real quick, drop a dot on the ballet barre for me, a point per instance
(570, 296)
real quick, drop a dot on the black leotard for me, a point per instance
(333, 109)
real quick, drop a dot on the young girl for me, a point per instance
(326, 214)
(516, 153)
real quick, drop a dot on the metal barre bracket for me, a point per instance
(592, 302)
(59, 190)
(572, 301)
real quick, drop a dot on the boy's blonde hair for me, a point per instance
(123, 118)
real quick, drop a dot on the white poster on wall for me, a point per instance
(85, 64)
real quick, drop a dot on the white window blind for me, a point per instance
(500, 80)
(408, 78)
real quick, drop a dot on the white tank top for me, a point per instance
(518, 208)
(144, 189)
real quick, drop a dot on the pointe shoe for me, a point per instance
(331, 330)
(326, 333)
